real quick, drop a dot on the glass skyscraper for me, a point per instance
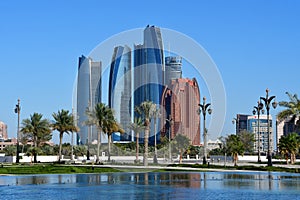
(173, 69)
(88, 95)
(120, 90)
(149, 69)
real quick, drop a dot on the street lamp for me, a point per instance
(17, 110)
(237, 128)
(170, 121)
(203, 108)
(267, 101)
(258, 109)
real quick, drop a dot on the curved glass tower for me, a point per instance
(149, 70)
(88, 95)
(120, 90)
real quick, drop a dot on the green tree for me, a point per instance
(289, 145)
(180, 143)
(145, 110)
(110, 127)
(100, 116)
(292, 110)
(283, 147)
(234, 146)
(248, 140)
(38, 130)
(10, 150)
(137, 126)
(63, 123)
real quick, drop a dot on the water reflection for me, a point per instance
(153, 185)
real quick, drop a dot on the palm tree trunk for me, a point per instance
(137, 147)
(60, 146)
(35, 150)
(146, 145)
(98, 145)
(180, 156)
(235, 157)
(109, 139)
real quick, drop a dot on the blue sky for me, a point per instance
(255, 45)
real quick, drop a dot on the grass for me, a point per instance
(250, 168)
(53, 169)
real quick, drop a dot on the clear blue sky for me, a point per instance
(255, 44)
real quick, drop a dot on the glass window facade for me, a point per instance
(120, 90)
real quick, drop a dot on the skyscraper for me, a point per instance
(120, 90)
(173, 69)
(241, 123)
(88, 95)
(149, 69)
(181, 100)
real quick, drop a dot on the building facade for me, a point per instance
(3, 131)
(284, 127)
(261, 134)
(120, 90)
(241, 123)
(181, 102)
(173, 69)
(88, 95)
(149, 72)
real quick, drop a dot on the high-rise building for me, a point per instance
(149, 70)
(3, 131)
(284, 127)
(88, 95)
(252, 126)
(181, 100)
(173, 69)
(120, 90)
(241, 123)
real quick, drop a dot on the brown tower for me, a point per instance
(180, 101)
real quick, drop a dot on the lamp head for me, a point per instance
(274, 104)
(209, 111)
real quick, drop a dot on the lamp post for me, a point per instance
(17, 110)
(267, 100)
(258, 109)
(237, 128)
(203, 108)
(170, 121)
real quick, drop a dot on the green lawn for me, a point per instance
(53, 169)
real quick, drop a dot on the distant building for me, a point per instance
(88, 95)
(252, 126)
(173, 69)
(284, 127)
(180, 102)
(241, 123)
(3, 131)
(214, 144)
(120, 90)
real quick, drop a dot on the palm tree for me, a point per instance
(37, 129)
(63, 123)
(110, 127)
(145, 110)
(292, 110)
(99, 116)
(235, 146)
(284, 148)
(156, 115)
(137, 127)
